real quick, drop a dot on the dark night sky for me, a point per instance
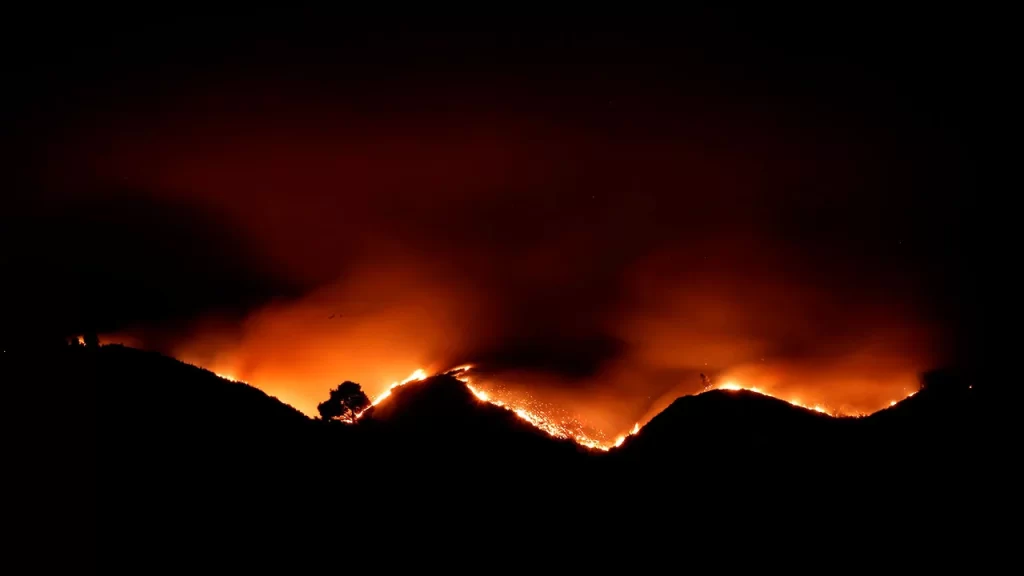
(593, 208)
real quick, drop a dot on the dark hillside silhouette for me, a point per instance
(939, 430)
(462, 452)
(751, 425)
(596, 211)
(735, 441)
(439, 420)
(175, 445)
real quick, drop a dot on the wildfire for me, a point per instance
(796, 402)
(556, 423)
(561, 424)
(414, 377)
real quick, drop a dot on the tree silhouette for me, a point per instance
(346, 402)
(91, 339)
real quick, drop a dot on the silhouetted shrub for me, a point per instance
(345, 404)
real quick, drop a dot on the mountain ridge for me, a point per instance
(174, 443)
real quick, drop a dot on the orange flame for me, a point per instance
(563, 428)
(796, 402)
(416, 376)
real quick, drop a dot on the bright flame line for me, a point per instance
(544, 424)
(540, 422)
(732, 386)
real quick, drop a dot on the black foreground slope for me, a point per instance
(175, 446)
(439, 422)
(158, 414)
(932, 435)
(720, 435)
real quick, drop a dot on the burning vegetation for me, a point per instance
(552, 420)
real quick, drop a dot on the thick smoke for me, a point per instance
(604, 278)
(597, 238)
